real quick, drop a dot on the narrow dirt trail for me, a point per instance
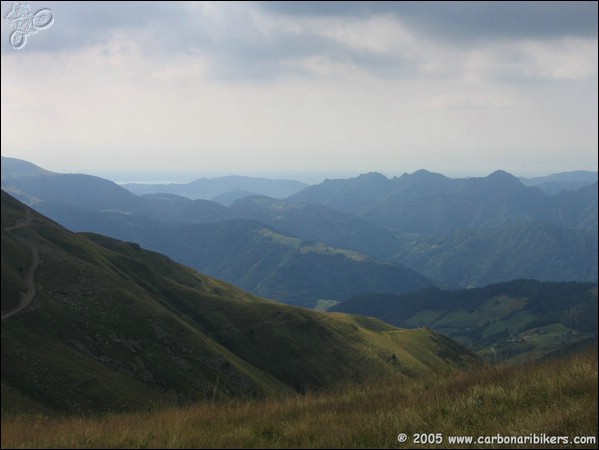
(24, 223)
(26, 297)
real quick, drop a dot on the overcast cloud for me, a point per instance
(281, 88)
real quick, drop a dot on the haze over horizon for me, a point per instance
(304, 90)
(123, 177)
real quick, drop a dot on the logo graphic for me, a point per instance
(26, 23)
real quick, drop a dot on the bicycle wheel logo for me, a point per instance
(26, 23)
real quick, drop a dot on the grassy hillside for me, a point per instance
(519, 319)
(551, 398)
(114, 327)
(255, 257)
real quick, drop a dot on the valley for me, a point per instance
(514, 321)
(494, 229)
(113, 327)
(319, 247)
(94, 324)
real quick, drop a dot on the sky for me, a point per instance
(302, 90)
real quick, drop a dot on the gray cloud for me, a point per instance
(237, 46)
(442, 86)
(465, 20)
(84, 23)
(462, 24)
(81, 24)
(254, 55)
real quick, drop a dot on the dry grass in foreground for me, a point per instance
(557, 398)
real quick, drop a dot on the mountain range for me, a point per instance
(465, 257)
(90, 323)
(564, 181)
(430, 203)
(453, 232)
(119, 327)
(473, 257)
(211, 238)
(223, 190)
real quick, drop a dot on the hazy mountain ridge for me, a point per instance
(428, 203)
(521, 232)
(209, 188)
(578, 209)
(275, 265)
(564, 181)
(115, 327)
(228, 198)
(251, 255)
(520, 318)
(465, 257)
(482, 256)
(319, 223)
(13, 167)
(47, 190)
(206, 236)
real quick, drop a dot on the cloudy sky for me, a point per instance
(304, 89)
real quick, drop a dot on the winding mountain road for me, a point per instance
(26, 297)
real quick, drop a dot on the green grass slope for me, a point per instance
(518, 319)
(114, 327)
(549, 398)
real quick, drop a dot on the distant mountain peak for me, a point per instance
(13, 167)
(503, 178)
(563, 181)
(373, 176)
(422, 172)
(502, 174)
(426, 174)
